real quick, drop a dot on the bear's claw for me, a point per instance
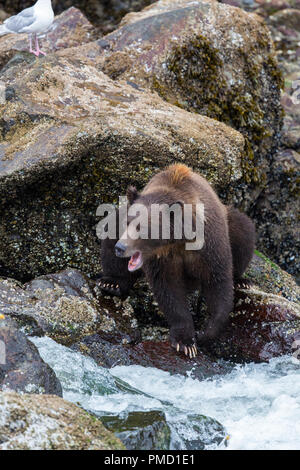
(109, 287)
(243, 283)
(190, 351)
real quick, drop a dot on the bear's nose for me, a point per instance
(120, 249)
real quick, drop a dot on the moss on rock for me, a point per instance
(46, 422)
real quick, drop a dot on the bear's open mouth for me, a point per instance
(135, 262)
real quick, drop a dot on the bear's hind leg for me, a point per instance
(219, 301)
(242, 241)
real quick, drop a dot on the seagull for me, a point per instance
(33, 20)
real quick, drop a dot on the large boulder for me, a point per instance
(45, 422)
(72, 138)
(21, 367)
(208, 58)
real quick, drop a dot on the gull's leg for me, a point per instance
(38, 50)
(30, 46)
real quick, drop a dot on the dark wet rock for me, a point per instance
(264, 324)
(68, 126)
(153, 353)
(207, 58)
(140, 430)
(105, 353)
(69, 29)
(266, 317)
(45, 422)
(21, 367)
(163, 356)
(277, 208)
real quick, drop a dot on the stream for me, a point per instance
(258, 405)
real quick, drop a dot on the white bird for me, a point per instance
(33, 20)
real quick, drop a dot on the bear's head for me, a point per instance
(154, 224)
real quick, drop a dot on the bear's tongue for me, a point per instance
(135, 261)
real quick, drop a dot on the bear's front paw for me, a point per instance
(109, 286)
(183, 342)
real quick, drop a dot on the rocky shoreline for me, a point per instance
(194, 82)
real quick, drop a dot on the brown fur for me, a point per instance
(171, 270)
(178, 173)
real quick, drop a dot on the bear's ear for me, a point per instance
(179, 203)
(132, 194)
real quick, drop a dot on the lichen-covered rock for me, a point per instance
(208, 58)
(64, 307)
(140, 430)
(21, 367)
(45, 422)
(72, 139)
(69, 29)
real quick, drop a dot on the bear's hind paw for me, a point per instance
(190, 351)
(243, 283)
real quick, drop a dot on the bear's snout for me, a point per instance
(120, 249)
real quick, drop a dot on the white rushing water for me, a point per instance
(258, 404)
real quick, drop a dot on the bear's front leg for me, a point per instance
(165, 276)
(115, 278)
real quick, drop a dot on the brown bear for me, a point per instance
(173, 271)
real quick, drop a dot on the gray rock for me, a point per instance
(63, 306)
(21, 367)
(45, 422)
